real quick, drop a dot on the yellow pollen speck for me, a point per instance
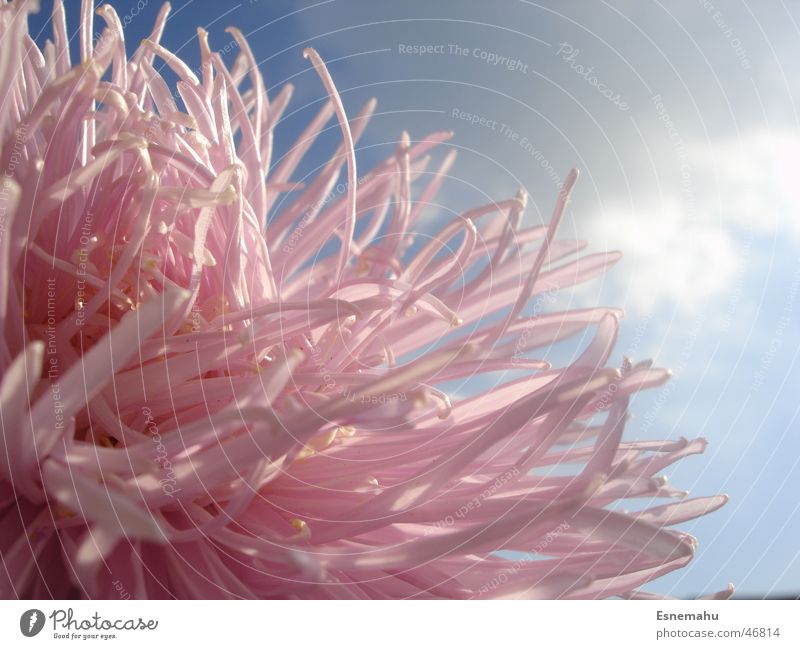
(64, 512)
(301, 527)
(305, 452)
(346, 431)
(318, 443)
(363, 267)
(105, 441)
(420, 401)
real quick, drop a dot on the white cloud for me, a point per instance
(680, 256)
(668, 256)
(751, 181)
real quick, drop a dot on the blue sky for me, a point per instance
(686, 133)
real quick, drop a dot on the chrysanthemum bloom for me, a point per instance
(197, 404)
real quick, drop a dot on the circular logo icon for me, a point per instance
(31, 622)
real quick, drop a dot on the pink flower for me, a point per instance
(195, 405)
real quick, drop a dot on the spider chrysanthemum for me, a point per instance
(221, 380)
